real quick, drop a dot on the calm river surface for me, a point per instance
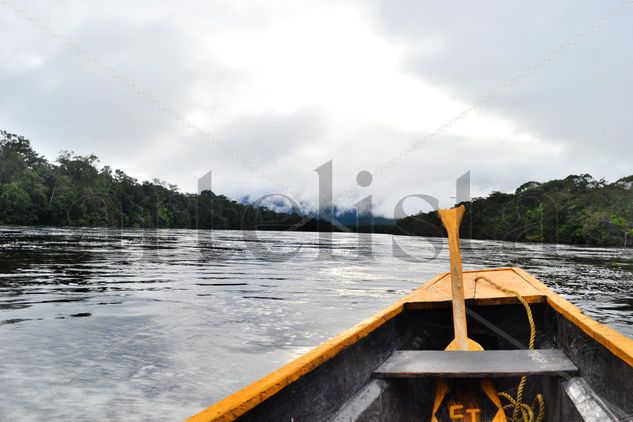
(129, 325)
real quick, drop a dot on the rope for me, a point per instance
(521, 412)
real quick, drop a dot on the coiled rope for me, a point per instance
(521, 412)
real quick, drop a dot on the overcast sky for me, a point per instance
(285, 86)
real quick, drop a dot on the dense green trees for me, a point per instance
(577, 210)
(74, 192)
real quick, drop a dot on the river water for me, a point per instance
(129, 325)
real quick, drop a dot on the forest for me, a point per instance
(73, 191)
(576, 210)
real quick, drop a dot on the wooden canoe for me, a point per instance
(386, 367)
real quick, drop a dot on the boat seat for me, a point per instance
(487, 363)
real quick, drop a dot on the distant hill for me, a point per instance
(351, 219)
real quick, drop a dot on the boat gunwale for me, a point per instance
(240, 402)
(614, 341)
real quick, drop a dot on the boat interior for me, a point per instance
(388, 367)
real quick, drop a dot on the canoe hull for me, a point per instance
(336, 381)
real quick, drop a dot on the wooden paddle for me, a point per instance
(462, 399)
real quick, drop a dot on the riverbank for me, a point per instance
(576, 210)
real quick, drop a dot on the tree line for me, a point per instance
(578, 209)
(73, 191)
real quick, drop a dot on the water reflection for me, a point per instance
(158, 324)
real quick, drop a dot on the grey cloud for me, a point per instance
(582, 98)
(272, 141)
(67, 103)
(272, 137)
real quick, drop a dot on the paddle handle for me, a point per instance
(452, 219)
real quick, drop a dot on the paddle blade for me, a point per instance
(467, 400)
(452, 218)
(473, 346)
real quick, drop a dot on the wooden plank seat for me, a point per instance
(461, 364)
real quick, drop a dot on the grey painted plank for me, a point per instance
(489, 363)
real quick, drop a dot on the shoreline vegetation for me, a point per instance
(72, 191)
